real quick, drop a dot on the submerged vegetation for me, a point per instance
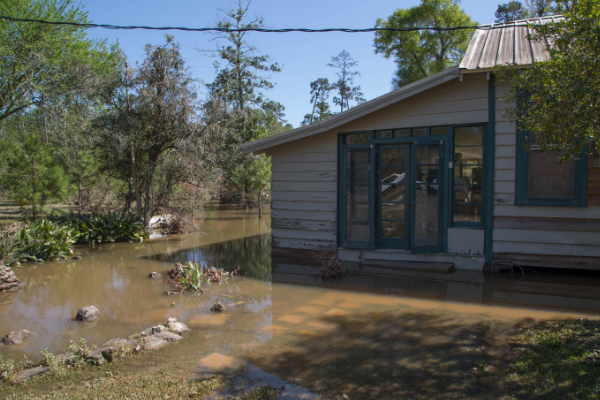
(190, 276)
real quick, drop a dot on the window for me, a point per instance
(542, 181)
(468, 173)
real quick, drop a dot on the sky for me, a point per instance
(303, 57)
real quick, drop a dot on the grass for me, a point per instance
(556, 360)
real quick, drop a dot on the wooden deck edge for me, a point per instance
(550, 261)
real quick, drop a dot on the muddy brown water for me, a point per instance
(414, 334)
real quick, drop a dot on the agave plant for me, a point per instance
(44, 240)
(191, 276)
(103, 228)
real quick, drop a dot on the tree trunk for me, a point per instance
(260, 203)
(33, 205)
(136, 188)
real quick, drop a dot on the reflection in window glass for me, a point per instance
(400, 132)
(549, 179)
(383, 134)
(359, 138)
(468, 177)
(419, 132)
(439, 130)
(357, 194)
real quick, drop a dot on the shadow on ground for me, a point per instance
(394, 355)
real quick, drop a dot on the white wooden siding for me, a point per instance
(304, 193)
(465, 241)
(531, 241)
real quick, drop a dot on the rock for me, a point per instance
(117, 348)
(29, 373)
(77, 258)
(177, 327)
(8, 279)
(153, 342)
(218, 307)
(16, 337)
(96, 357)
(171, 293)
(153, 330)
(23, 261)
(154, 275)
(87, 314)
(65, 358)
(168, 336)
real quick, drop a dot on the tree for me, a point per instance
(319, 91)
(241, 81)
(39, 63)
(34, 174)
(343, 86)
(559, 100)
(542, 8)
(511, 11)
(423, 53)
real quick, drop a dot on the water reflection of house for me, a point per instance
(432, 172)
(547, 291)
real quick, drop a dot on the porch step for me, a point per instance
(388, 267)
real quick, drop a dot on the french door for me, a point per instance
(409, 195)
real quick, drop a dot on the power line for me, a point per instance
(226, 30)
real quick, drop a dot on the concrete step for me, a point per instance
(388, 267)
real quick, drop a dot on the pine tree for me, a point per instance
(343, 86)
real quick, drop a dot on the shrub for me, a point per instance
(43, 240)
(102, 228)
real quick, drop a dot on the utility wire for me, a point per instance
(180, 28)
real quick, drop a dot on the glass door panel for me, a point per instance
(358, 218)
(426, 198)
(392, 218)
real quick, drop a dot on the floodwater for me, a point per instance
(414, 334)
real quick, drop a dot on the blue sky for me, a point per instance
(303, 56)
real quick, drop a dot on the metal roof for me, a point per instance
(506, 44)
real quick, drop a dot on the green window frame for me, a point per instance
(522, 195)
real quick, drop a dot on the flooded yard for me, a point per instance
(413, 335)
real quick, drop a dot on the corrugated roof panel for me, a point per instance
(490, 51)
(506, 43)
(522, 47)
(506, 49)
(473, 54)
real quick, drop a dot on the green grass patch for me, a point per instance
(556, 360)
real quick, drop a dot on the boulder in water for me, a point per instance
(87, 314)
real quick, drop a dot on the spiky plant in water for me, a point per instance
(43, 241)
(103, 228)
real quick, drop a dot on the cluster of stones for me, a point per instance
(149, 339)
(8, 279)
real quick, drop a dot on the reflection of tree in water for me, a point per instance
(252, 253)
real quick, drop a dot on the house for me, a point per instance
(434, 173)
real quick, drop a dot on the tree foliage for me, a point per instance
(511, 11)
(40, 63)
(343, 86)
(423, 53)
(319, 96)
(559, 100)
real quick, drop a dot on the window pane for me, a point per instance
(392, 192)
(467, 213)
(468, 155)
(357, 197)
(358, 177)
(439, 130)
(426, 216)
(392, 211)
(393, 175)
(419, 132)
(393, 156)
(467, 193)
(383, 134)
(360, 138)
(392, 229)
(357, 158)
(400, 132)
(468, 135)
(547, 178)
(427, 174)
(467, 174)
